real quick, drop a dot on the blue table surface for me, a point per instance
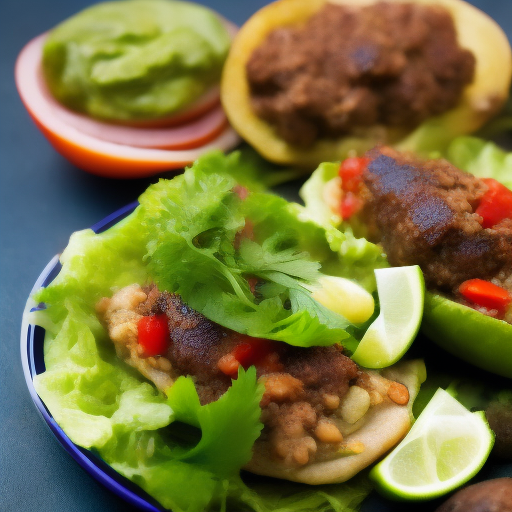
(43, 200)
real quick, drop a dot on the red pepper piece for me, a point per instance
(251, 351)
(496, 204)
(351, 170)
(154, 334)
(485, 294)
(350, 204)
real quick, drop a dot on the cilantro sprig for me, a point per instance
(200, 250)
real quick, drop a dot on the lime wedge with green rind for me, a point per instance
(468, 334)
(446, 447)
(401, 296)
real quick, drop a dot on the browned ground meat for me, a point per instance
(422, 212)
(351, 67)
(198, 344)
(308, 396)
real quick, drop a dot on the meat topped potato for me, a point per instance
(349, 68)
(309, 81)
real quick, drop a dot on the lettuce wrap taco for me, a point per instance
(197, 309)
(456, 225)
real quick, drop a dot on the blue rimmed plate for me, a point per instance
(32, 357)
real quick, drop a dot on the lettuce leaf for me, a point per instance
(195, 223)
(104, 262)
(263, 495)
(248, 168)
(87, 390)
(106, 406)
(481, 158)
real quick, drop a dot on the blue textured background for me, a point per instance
(43, 199)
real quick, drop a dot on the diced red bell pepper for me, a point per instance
(486, 294)
(496, 204)
(350, 205)
(153, 334)
(251, 351)
(351, 170)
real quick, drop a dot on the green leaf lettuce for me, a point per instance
(185, 236)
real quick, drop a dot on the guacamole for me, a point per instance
(135, 59)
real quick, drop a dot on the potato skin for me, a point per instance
(489, 496)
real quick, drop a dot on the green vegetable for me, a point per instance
(192, 252)
(482, 158)
(469, 334)
(135, 59)
(106, 406)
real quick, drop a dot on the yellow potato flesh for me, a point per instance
(481, 99)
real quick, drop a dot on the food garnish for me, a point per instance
(444, 448)
(401, 296)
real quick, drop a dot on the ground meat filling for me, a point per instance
(423, 212)
(313, 396)
(350, 68)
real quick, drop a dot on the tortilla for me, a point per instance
(379, 430)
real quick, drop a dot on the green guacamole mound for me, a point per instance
(135, 59)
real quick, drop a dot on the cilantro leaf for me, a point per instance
(206, 242)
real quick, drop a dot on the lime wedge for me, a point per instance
(345, 297)
(445, 447)
(401, 296)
